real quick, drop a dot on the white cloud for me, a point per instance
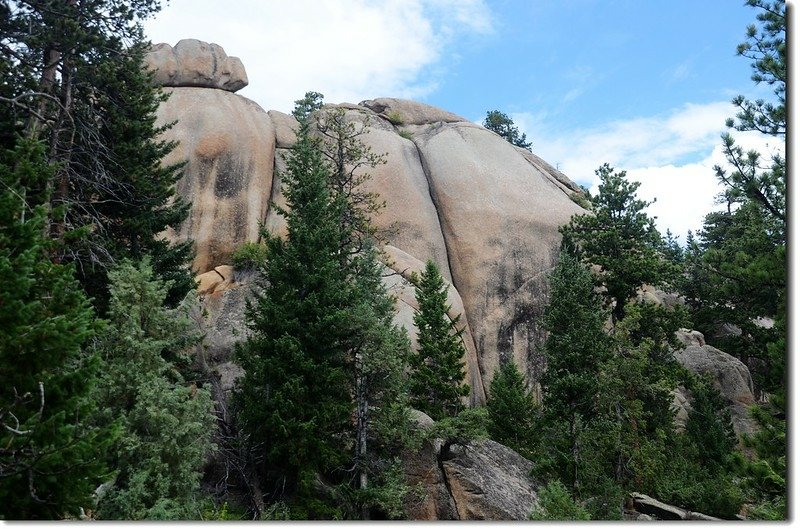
(672, 155)
(347, 49)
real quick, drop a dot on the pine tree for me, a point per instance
(165, 421)
(621, 239)
(51, 455)
(503, 125)
(512, 410)
(437, 367)
(323, 349)
(577, 346)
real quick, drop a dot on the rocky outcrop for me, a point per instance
(482, 480)
(729, 375)
(195, 63)
(489, 481)
(485, 211)
(228, 145)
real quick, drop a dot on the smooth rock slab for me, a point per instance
(228, 145)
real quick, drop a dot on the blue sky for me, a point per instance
(642, 84)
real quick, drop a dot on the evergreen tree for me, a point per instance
(576, 349)
(621, 239)
(437, 367)
(503, 125)
(323, 348)
(51, 456)
(512, 410)
(165, 421)
(79, 85)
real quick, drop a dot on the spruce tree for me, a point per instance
(322, 393)
(576, 348)
(165, 421)
(512, 411)
(78, 85)
(51, 453)
(437, 367)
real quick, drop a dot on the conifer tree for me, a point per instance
(77, 83)
(503, 125)
(437, 367)
(51, 453)
(165, 422)
(512, 411)
(577, 346)
(323, 350)
(621, 239)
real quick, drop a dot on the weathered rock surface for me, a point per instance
(485, 211)
(228, 144)
(500, 219)
(195, 63)
(661, 511)
(489, 481)
(405, 112)
(729, 375)
(483, 480)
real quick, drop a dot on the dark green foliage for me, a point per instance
(78, 85)
(323, 352)
(621, 238)
(51, 456)
(165, 421)
(437, 367)
(503, 125)
(576, 349)
(512, 410)
(709, 425)
(555, 503)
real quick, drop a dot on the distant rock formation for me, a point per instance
(485, 211)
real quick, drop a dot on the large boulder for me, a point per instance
(195, 63)
(482, 480)
(228, 145)
(489, 481)
(405, 112)
(728, 374)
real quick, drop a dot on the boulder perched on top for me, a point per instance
(195, 63)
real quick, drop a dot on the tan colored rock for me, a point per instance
(195, 63)
(558, 178)
(285, 129)
(681, 407)
(228, 144)
(406, 112)
(489, 481)
(690, 337)
(219, 278)
(729, 375)
(500, 218)
(406, 304)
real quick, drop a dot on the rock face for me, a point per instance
(482, 480)
(485, 211)
(729, 375)
(228, 145)
(195, 63)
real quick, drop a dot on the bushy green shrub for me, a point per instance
(555, 503)
(249, 256)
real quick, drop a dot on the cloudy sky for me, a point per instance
(643, 85)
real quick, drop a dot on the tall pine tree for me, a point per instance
(437, 367)
(51, 454)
